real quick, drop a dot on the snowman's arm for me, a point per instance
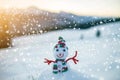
(73, 58)
(48, 61)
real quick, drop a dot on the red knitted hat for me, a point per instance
(61, 43)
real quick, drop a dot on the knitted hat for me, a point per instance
(61, 43)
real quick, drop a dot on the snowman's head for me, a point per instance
(60, 49)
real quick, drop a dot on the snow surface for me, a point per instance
(99, 58)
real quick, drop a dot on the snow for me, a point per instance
(70, 75)
(99, 58)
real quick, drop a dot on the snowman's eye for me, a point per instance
(64, 50)
(57, 50)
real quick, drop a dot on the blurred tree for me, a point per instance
(81, 37)
(5, 38)
(98, 33)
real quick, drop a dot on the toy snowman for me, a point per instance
(60, 53)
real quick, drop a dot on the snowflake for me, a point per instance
(101, 22)
(15, 59)
(53, 78)
(39, 25)
(109, 67)
(92, 75)
(41, 31)
(23, 59)
(118, 67)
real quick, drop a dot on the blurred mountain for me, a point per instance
(33, 20)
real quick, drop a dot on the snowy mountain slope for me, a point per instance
(78, 19)
(98, 57)
(33, 20)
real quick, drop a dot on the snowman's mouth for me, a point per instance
(60, 55)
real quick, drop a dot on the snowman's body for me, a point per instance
(60, 53)
(60, 66)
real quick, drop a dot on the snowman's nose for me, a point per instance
(60, 54)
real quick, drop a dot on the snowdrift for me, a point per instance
(69, 75)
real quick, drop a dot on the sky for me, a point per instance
(80, 7)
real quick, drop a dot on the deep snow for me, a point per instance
(99, 58)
